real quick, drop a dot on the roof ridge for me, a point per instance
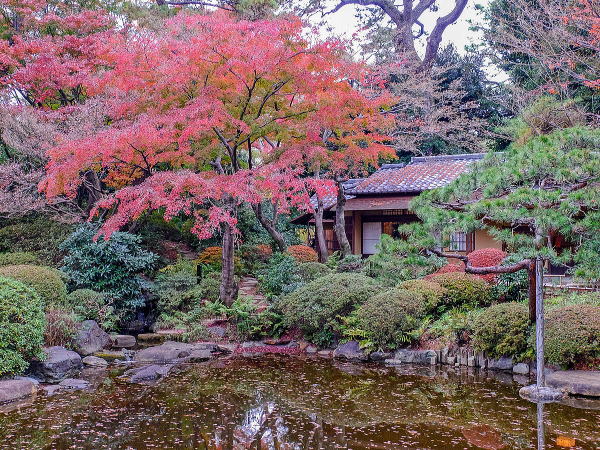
(459, 157)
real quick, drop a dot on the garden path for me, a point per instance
(249, 288)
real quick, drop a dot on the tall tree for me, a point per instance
(210, 112)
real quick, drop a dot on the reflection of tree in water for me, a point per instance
(287, 403)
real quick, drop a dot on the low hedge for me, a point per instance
(463, 290)
(46, 281)
(310, 271)
(389, 316)
(572, 335)
(316, 307)
(22, 324)
(503, 330)
(433, 293)
(14, 258)
(302, 253)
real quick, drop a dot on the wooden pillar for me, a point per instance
(539, 322)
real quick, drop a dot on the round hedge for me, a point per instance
(503, 330)
(46, 281)
(486, 257)
(310, 271)
(316, 307)
(572, 334)
(432, 292)
(22, 325)
(13, 258)
(388, 316)
(302, 253)
(463, 290)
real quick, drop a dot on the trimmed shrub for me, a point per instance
(22, 324)
(302, 253)
(312, 270)
(389, 317)
(113, 266)
(503, 330)
(263, 252)
(40, 235)
(61, 327)
(280, 271)
(463, 290)
(316, 307)
(254, 257)
(433, 293)
(45, 280)
(351, 263)
(16, 258)
(572, 334)
(91, 305)
(448, 268)
(486, 257)
(211, 256)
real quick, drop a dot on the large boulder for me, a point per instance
(90, 338)
(59, 364)
(422, 357)
(576, 382)
(504, 363)
(164, 353)
(350, 351)
(123, 341)
(11, 390)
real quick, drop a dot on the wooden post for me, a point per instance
(539, 322)
(532, 290)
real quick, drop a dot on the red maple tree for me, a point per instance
(210, 113)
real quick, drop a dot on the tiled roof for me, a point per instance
(422, 173)
(331, 200)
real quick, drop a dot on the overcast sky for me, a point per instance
(345, 23)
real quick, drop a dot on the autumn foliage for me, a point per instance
(303, 253)
(486, 257)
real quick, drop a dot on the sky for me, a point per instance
(344, 22)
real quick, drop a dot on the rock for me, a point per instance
(471, 361)
(94, 361)
(351, 351)
(280, 341)
(33, 380)
(164, 353)
(480, 360)
(90, 338)
(123, 341)
(11, 390)
(324, 353)
(545, 394)
(251, 344)
(311, 349)
(148, 373)
(444, 355)
(60, 363)
(151, 338)
(451, 360)
(417, 356)
(217, 331)
(74, 384)
(504, 363)
(521, 369)
(110, 355)
(199, 356)
(380, 356)
(576, 382)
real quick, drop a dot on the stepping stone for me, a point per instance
(576, 382)
(122, 341)
(94, 361)
(74, 384)
(11, 390)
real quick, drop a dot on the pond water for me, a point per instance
(282, 402)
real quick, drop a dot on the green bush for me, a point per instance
(572, 335)
(22, 324)
(316, 307)
(389, 317)
(433, 293)
(351, 263)
(512, 287)
(91, 305)
(171, 285)
(113, 266)
(463, 291)
(38, 235)
(46, 281)
(503, 330)
(15, 258)
(572, 298)
(312, 270)
(281, 270)
(453, 327)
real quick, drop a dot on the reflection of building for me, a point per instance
(379, 203)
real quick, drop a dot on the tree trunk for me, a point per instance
(539, 322)
(340, 222)
(320, 232)
(269, 225)
(228, 289)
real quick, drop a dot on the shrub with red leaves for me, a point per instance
(486, 257)
(303, 253)
(263, 252)
(448, 268)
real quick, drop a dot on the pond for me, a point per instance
(282, 402)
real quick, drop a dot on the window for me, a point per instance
(458, 242)
(371, 237)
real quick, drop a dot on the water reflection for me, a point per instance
(287, 403)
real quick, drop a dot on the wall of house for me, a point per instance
(484, 240)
